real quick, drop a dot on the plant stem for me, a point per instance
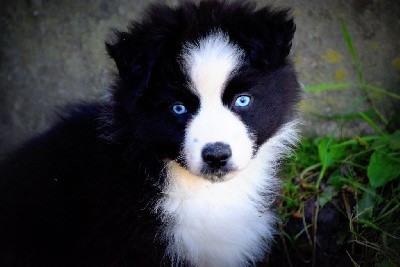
(359, 70)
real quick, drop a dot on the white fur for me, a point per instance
(227, 223)
(209, 65)
(216, 123)
(210, 62)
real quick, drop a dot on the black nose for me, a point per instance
(216, 155)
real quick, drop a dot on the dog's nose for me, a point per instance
(216, 155)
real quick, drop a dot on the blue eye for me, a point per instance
(179, 109)
(242, 101)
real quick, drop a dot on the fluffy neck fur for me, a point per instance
(228, 223)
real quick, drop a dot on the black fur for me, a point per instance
(82, 193)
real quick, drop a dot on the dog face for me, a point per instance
(217, 141)
(204, 85)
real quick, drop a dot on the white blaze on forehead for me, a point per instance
(209, 64)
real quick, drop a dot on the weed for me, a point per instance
(341, 197)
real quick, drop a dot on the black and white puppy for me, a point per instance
(179, 167)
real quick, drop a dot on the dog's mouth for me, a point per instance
(213, 174)
(218, 174)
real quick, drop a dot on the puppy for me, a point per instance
(179, 167)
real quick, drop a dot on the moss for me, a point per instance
(332, 56)
(340, 75)
(396, 62)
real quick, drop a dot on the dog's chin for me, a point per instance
(213, 175)
(217, 175)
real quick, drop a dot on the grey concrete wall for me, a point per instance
(52, 53)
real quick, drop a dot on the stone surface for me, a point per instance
(52, 53)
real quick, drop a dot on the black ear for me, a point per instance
(136, 50)
(267, 36)
(123, 51)
(134, 53)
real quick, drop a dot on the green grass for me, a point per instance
(359, 176)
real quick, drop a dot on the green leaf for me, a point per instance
(327, 195)
(366, 205)
(395, 140)
(352, 51)
(371, 123)
(362, 187)
(306, 154)
(341, 86)
(326, 87)
(290, 202)
(335, 179)
(382, 91)
(386, 263)
(382, 168)
(382, 144)
(329, 153)
(336, 117)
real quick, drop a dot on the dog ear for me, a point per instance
(134, 54)
(123, 51)
(267, 36)
(136, 50)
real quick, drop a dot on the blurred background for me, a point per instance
(52, 53)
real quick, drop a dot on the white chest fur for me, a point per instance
(226, 223)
